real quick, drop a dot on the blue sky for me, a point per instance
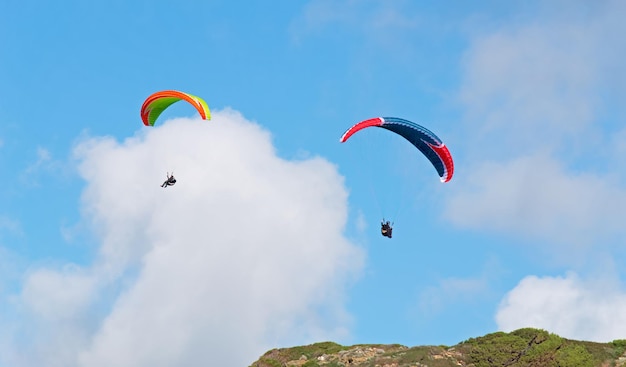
(271, 236)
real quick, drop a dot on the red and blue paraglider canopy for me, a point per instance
(423, 139)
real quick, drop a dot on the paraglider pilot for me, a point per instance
(170, 180)
(385, 228)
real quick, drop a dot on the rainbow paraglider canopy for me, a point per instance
(156, 103)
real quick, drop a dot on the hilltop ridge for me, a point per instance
(526, 347)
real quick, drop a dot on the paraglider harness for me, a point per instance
(385, 228)
(170, 180)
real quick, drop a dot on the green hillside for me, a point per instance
(521, 348)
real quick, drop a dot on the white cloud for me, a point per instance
(525, 89)
(542, 101)
(57, 295)
(544, 84)
(535, 197)
(56, 306)
(568, 306)
(244, 253)
(538, 152)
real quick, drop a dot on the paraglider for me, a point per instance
(170, 180)
(385, 228)
(423, 139)
(156, 103)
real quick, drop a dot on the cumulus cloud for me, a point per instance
(536, 197)
(568, 306)
(543, 112)
(544, 83)
(52, 317)
(540, 138)
(523, 90)
(244, 253)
